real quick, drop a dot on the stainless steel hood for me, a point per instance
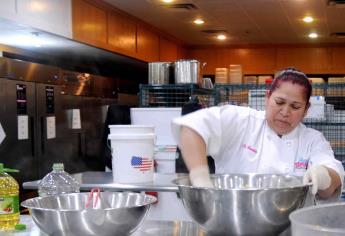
(71, 55)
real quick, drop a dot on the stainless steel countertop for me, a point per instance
(104, 181)
(147, 228)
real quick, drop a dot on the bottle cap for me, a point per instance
(58, 166)
(3, 169)
(20, 227)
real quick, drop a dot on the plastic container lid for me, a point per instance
(131, 136)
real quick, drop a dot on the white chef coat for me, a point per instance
(241, 141)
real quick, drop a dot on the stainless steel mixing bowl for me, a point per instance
(326, 219)
(115, 213)
(243, 204)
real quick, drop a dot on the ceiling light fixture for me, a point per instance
(308, 19)
(167, 1)
(199, 21)
(221, 37)
(313, 35)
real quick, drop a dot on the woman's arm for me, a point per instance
(334, 185)
(193, 149)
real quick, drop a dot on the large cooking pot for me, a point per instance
(326, 219)
(159, 72)
(243, 204)
(187, 71)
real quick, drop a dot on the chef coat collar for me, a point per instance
(292, 135)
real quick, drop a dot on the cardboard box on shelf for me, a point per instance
(250, 79)
(235, 74)
(221, 76)
(262, 79)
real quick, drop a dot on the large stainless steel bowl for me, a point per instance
(115, 214)
(244, 204)
(326, 219)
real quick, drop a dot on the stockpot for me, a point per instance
(187, 71)
(159, 72)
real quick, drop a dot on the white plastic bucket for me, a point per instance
(131, 129)
(132, 157)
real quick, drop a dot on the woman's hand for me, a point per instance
(325, 180)
(200, 177)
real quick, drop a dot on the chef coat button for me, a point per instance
(288, 143)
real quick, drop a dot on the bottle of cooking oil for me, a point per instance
(9, 199)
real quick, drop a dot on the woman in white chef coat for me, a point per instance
(244, 140)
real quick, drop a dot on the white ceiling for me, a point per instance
(246, 21)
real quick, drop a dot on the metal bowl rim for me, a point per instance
(312, 227)
(243, 189)
(152, 199)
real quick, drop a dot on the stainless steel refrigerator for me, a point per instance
(35, 113)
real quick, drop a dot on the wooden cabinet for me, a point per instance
(47, 15)
(122, 34)
(309, 60)
(147, 44)
(89, 23)
(8, 9)
(168, 50)
(338, 59)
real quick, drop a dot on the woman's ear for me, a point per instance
(267, 96)
(306, 109)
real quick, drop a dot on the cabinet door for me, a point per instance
(168, 50)
(147, 44)
(89, 23)
(122, 34)
(48, 15)
(8, 9)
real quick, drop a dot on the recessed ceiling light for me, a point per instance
(199, 21)
(221, 37)
(308, 19)
(167, 1)
(313, 35)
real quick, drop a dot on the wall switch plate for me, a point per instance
(23, 127)
(51, 127)
(76, 121)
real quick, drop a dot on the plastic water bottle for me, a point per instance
(9, 199)
(57, 182)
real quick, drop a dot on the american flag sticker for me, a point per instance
(141, 163)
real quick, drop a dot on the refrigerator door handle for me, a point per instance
(32, 134)
(42, 135)
(80, 145)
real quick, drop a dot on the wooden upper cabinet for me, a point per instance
(168, 50)
(122, 34)
(338, 60)
(309, 60)
(147, 44)
(89, 23)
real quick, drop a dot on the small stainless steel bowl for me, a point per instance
(243, 204)
(116, 213)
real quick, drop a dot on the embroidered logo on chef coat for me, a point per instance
(301, 163)
(250, 148)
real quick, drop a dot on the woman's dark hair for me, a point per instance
(294, 76)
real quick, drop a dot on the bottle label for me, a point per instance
(9, 204)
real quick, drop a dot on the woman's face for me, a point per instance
(286, 107)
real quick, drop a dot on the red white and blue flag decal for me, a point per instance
(141, 163)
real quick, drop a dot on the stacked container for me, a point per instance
(165, 148)
(221, 76)
(235, 74)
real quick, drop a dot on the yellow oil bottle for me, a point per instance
(9, 200)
